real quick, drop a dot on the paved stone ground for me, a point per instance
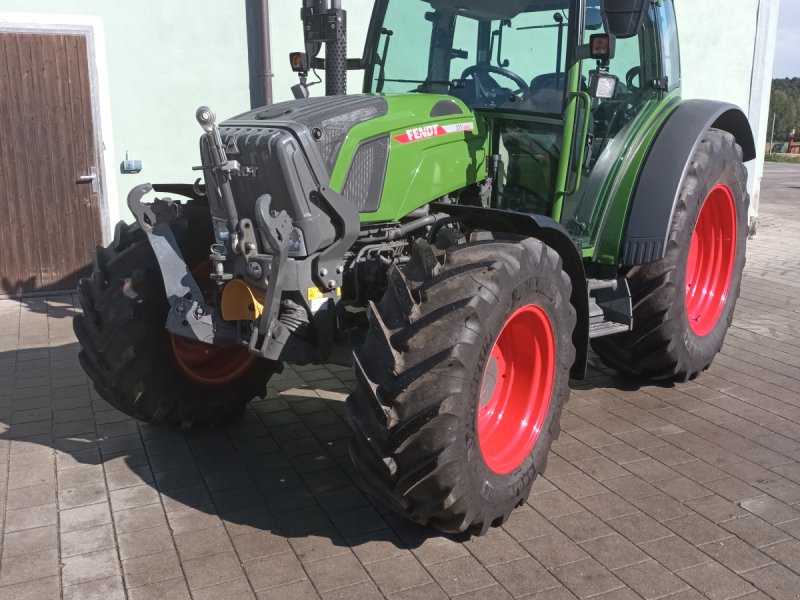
(653, 492)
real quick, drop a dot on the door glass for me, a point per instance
(671, 56)
(408, 55)
(636, 66)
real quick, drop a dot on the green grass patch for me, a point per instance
(784, 158)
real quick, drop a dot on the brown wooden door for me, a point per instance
(49, 216)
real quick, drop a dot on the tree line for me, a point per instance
(785, 108)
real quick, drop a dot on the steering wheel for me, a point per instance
(634, 73)
(476, 71)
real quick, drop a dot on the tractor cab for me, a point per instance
(554, 82)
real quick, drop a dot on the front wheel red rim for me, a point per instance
(516, 389)
(712, 256)
(206, 364)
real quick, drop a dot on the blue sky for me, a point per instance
(787, 57)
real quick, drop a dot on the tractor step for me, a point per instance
(610, 307)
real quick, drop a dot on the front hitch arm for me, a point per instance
(189, 314)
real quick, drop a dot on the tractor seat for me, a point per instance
(547, 93)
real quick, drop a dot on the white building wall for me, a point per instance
(731, 61)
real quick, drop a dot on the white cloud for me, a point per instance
(787, 55)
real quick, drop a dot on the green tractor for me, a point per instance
(519, 182)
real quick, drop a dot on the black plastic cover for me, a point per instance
(624, 18)
(665, 168)
(329, 119)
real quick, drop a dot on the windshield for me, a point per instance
(512, 57)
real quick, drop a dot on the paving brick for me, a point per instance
(431, 549)
(366, 590)
(30, 541)
(614, 552)
(608, 506)
(84, 517)
(204, 542)
(775, 580)
(461, 575)
(715, 581)
(398, 573)
(273, 571)
(135, 519)
(587, 578)
(384, 544)
(27, 567)
(675, 553)
(40, 589)
(193, 519)
(109, 588)
(151, 568)
(528, 524)
(582, 526)
(212, 569)
(31, 517)
(36, 495)
(755, 531)
(661, 507)
(650, 579)
(630, 487)
(639, 528)
(787, 553)
(238, 589)
(170, 589)
(736, 555)
(144, 541)
(771, 510)
(554, 504)
(83, 541)
(259, 544)
(93, 493)
(697, 530)
(133, 497)
(716, 508)
(88, 567)
(551, 551)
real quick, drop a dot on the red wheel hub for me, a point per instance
(206, 364)
(712, 255)
(516, 389)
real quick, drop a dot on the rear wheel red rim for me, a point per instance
(712, 256)
(516, 389)
(206, 364)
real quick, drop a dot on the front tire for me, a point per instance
(435, 439)
(136, 365)
(684, 303)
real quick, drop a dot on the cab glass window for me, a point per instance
(477, 53)
(671, 56)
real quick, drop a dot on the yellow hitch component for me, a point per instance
(240, 302)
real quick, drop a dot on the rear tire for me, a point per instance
(684, 303)
(126, 349)
(421, 395)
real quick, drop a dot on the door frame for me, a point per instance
(92, 28)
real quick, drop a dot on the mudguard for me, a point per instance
(556, 237)
(665, 169)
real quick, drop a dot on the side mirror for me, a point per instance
(594, 18)
(624, 18)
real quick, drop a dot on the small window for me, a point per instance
(670, 47)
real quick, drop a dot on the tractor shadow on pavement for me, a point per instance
(281, 473)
